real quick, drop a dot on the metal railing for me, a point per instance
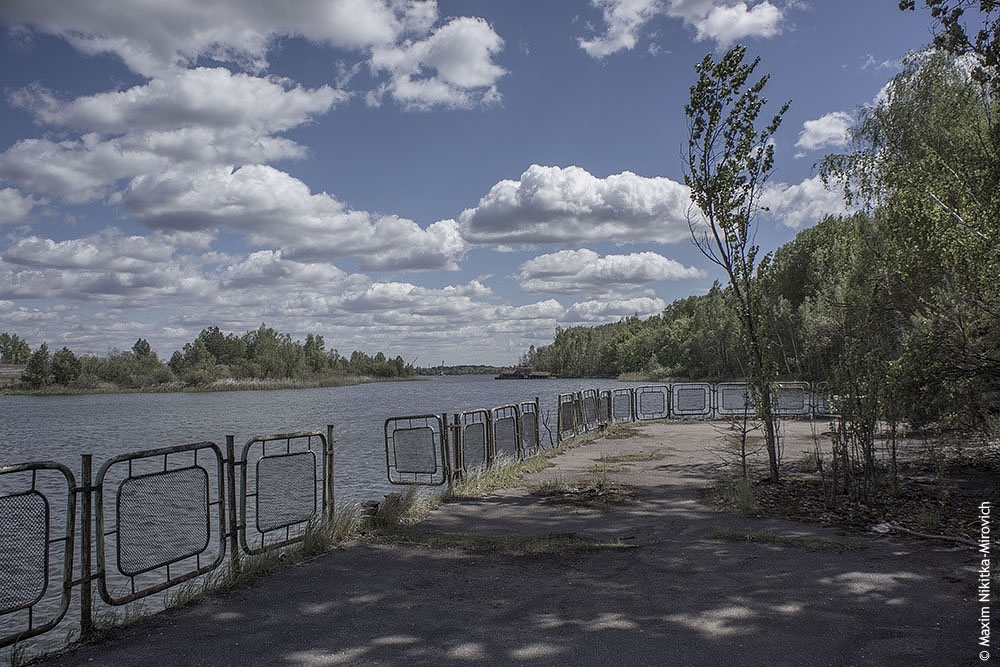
(148, 521)
(478, 437)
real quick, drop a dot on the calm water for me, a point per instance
(61, 428)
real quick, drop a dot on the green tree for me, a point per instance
(13, 349)
(927, 165)
(196, 365)
(142, 349)
(227, 349)
(953, 36)
(728, 163)
(274, 355)
(66, 367)
(315, 356)
(38, 373)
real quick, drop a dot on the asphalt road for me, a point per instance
(655, 579)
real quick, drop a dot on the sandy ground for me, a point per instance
(658, 580)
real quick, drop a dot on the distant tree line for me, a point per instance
(461, 369)
(261, 354)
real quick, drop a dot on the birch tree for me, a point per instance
(728, 162)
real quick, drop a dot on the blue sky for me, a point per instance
(444, 181)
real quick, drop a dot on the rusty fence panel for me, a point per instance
(160, 517)
(652, 402)
(604, 407)
(527, 427)
(568, 416)
(506, 439)
(281, 488)
(588, 402)
(37, 529)
(622, 405)
(475, 442)
(415, 450)
(691, 400)
(791, 399)
(733, 399)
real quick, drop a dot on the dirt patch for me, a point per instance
(600, 493)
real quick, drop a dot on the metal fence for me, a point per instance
(148, 521)
(478, 437)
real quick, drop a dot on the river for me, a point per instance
(62, 428)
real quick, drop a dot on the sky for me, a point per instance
(447, 181)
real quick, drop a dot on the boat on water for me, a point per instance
(523, 373)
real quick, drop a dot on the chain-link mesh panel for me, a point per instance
(24, 548)
(474, 446)
(733, 399)
(590, 408)
(820, 401)
(621, 405)
(286, 490)
(651, 402)
(162, 518)
(414, 450)
(568, 420)
(691, 400)
(791, 399)
(282, 488)
(37, 530)
(529, 429)
(159, 513)
(604, 406)
(505, 432)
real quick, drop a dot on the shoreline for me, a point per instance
(216, 386)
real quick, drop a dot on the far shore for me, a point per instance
(8, 385)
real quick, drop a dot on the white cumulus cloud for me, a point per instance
(151, 37)
(275, 210)
(830, 131)
(613, 310)
(396, 38)
(204, 97)
(624, 20)
(585, 272)
(458, 56)
(803, 204)
(721, 21)
(15, 207)
(555, 204)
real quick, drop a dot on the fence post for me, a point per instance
(457, 453)
(234, 548)
(446, 449)
(559, 429)
(538, 425)
(86, 518)
(328, 466)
